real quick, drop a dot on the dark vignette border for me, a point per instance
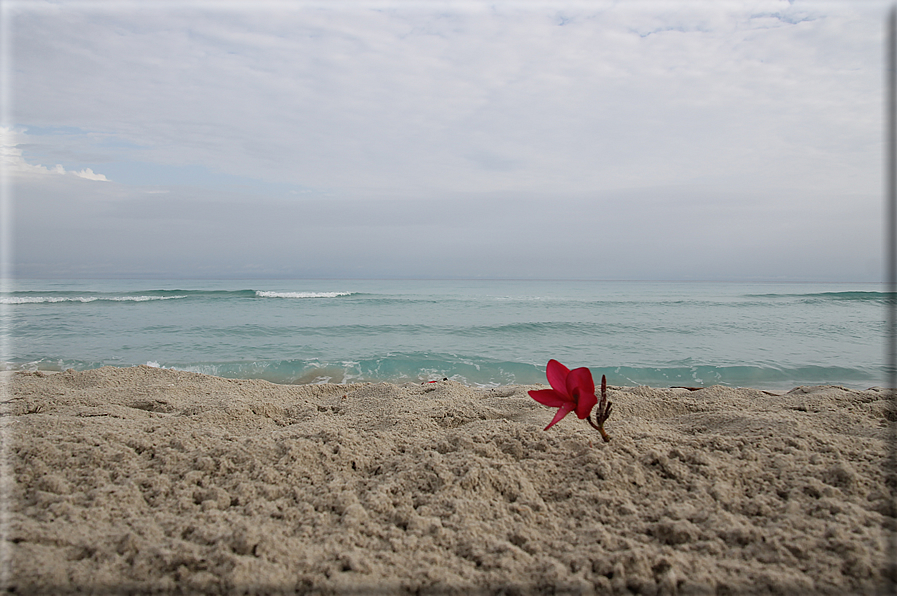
(890, 571)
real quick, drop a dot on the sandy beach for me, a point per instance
(146, 480)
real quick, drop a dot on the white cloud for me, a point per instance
(506, 98)
(713, 115)
(89, 174)
(12, 160)
(14, 163)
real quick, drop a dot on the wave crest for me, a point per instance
(82, 299)
(267, 294)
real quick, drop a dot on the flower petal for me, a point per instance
(580, 378)
(562, 411)
(557, 376)
(549, 397)
(581, 385)
(584, 404)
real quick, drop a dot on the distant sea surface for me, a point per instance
(481, 333)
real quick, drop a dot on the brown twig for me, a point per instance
(602, 412)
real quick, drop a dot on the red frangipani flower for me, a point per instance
(573, 391)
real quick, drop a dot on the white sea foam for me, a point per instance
(262, 294)
(40, 299)
(83, 299)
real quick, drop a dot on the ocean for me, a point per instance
(481, 333)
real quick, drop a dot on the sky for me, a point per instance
(713, 140)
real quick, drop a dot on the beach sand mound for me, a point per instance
(148, 480)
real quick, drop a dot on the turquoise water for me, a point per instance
(482, 333)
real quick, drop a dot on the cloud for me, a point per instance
(12, 160)
(14, 163)
(471, 99)
(88, 174)
(647, 139)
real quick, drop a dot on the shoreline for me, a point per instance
(769, 389)
(154, 479)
